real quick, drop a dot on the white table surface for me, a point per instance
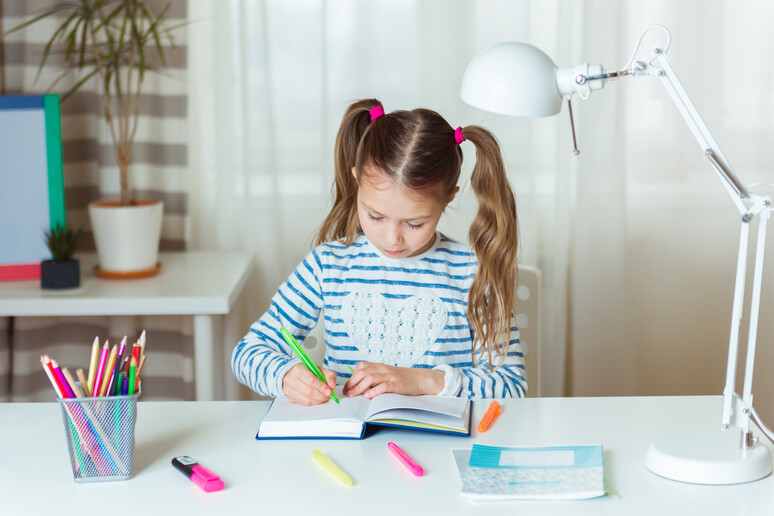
(280, 477)
(204, 284)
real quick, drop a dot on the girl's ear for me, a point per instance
(453, 195)
(354, 173)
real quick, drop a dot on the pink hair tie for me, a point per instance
(458, 135)
(376, 112)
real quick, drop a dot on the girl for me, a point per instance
(411, 311)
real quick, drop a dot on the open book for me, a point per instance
(348, 419)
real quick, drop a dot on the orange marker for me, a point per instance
(491, 413)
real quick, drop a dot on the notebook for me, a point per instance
(531, 473)
(348, 419)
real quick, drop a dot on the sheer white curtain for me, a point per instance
(617, 232)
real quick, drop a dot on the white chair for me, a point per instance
(526, 302)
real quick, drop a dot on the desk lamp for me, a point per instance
(520, 80)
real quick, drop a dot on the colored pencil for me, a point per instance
(68, 392)
(93, 364)
(71, 381)
(142, 348)
(84, 383)
(108, 370)
(46, 363)
(100, 369)
(132, 372)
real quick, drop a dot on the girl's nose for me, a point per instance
(394, 235)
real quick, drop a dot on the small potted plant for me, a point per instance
(62, 270)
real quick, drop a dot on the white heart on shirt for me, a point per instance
(393, 331)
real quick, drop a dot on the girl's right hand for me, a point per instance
(300, 385)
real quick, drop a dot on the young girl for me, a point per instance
(411, 311)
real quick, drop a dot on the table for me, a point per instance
(280, 477)
(204, 284)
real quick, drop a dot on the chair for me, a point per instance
(526, 302)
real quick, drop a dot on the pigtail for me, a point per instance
(342, 223)
(494, 237)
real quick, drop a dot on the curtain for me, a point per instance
(159, 170)
(635, 237)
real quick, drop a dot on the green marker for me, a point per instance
(305, 358)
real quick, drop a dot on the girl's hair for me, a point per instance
(418, 150)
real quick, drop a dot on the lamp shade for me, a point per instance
(512, 79)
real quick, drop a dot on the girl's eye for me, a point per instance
(375, 219)
(416, 226)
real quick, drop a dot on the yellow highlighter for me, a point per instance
(332, 468)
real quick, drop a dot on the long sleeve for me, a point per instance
(479, 381)
(261, 359)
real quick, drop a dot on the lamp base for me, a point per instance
(708, 458)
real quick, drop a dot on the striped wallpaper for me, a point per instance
(158, 170)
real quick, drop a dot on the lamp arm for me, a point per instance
(662, 67)
(736, 411)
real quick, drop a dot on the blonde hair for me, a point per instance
(417, 149)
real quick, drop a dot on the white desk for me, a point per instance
(280, 477)
(202, 284)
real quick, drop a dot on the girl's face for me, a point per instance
(399, 221)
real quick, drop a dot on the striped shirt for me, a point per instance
(407, 312)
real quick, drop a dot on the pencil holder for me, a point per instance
(100, 436)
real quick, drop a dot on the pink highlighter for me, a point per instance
(198, 474)
(407, 461)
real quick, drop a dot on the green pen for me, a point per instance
(305, 358)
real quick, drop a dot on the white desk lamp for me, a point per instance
(519, 79)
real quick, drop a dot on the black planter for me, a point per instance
(56, 275)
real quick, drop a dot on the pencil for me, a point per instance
(142, 349)
(70, 380)
(100, 370)
(93, 364)
(46, 363)
(132, 372)
(137, 374)
(68, 392)
(84, 383)
(108, 371)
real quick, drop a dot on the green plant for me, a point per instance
(62, 241)
(111, 40)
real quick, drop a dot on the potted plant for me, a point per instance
(62, 270)
(110, 41)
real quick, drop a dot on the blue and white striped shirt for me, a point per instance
(408, 312)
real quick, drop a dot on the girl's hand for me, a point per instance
(374, 379)
(300, 385)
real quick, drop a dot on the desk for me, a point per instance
(202, 284)
(280, 477)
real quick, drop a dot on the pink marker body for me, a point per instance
(407, 461)
(205, 479)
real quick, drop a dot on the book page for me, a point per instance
(286, 419)
(448, 405)
(448, 414)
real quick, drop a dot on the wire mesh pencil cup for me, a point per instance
(100, 436)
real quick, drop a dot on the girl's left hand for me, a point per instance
(374, 379)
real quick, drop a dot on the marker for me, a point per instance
(332, 468)
(305, 358)
(198, 474)
(407, 461)
(489, 416)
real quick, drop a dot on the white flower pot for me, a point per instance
(126, 237)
